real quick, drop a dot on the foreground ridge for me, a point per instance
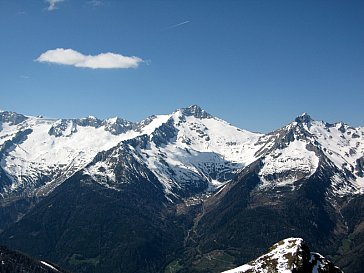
(288, 256)
(13, 261)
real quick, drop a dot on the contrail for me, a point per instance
(177, 25)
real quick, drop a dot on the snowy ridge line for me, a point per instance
(52, 157)
(188, 149)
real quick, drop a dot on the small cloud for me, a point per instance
(21, 12)
(95, 3)
(24, 77)
(101, 61)
(53, 4)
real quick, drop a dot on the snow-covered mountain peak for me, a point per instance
(63, 127)
(288, 256)
(196, 111)
(295, 152)
(215, 135)
(301, 125)
(11, 118)
(282, 138)
(114, 120)
(117, 125)
(189, 153)
(304, 118)
(89, 121)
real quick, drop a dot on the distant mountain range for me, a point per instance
(184, 192)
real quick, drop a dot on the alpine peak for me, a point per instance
(304, 118)
(11, 117)
(196, 111)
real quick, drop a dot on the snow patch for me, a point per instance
(295, 160)
(101, 172)
(50, 266)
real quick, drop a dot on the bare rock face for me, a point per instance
(11, 117)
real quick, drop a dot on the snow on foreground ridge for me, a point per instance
(281, 253)
(288, 256)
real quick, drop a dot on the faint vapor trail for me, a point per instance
(177, 25)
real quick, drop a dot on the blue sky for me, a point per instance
(257, 64)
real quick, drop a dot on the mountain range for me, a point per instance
(184, 192)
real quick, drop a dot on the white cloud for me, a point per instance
(53, 4)
(77, 59)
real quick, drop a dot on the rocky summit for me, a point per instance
(291, 255)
